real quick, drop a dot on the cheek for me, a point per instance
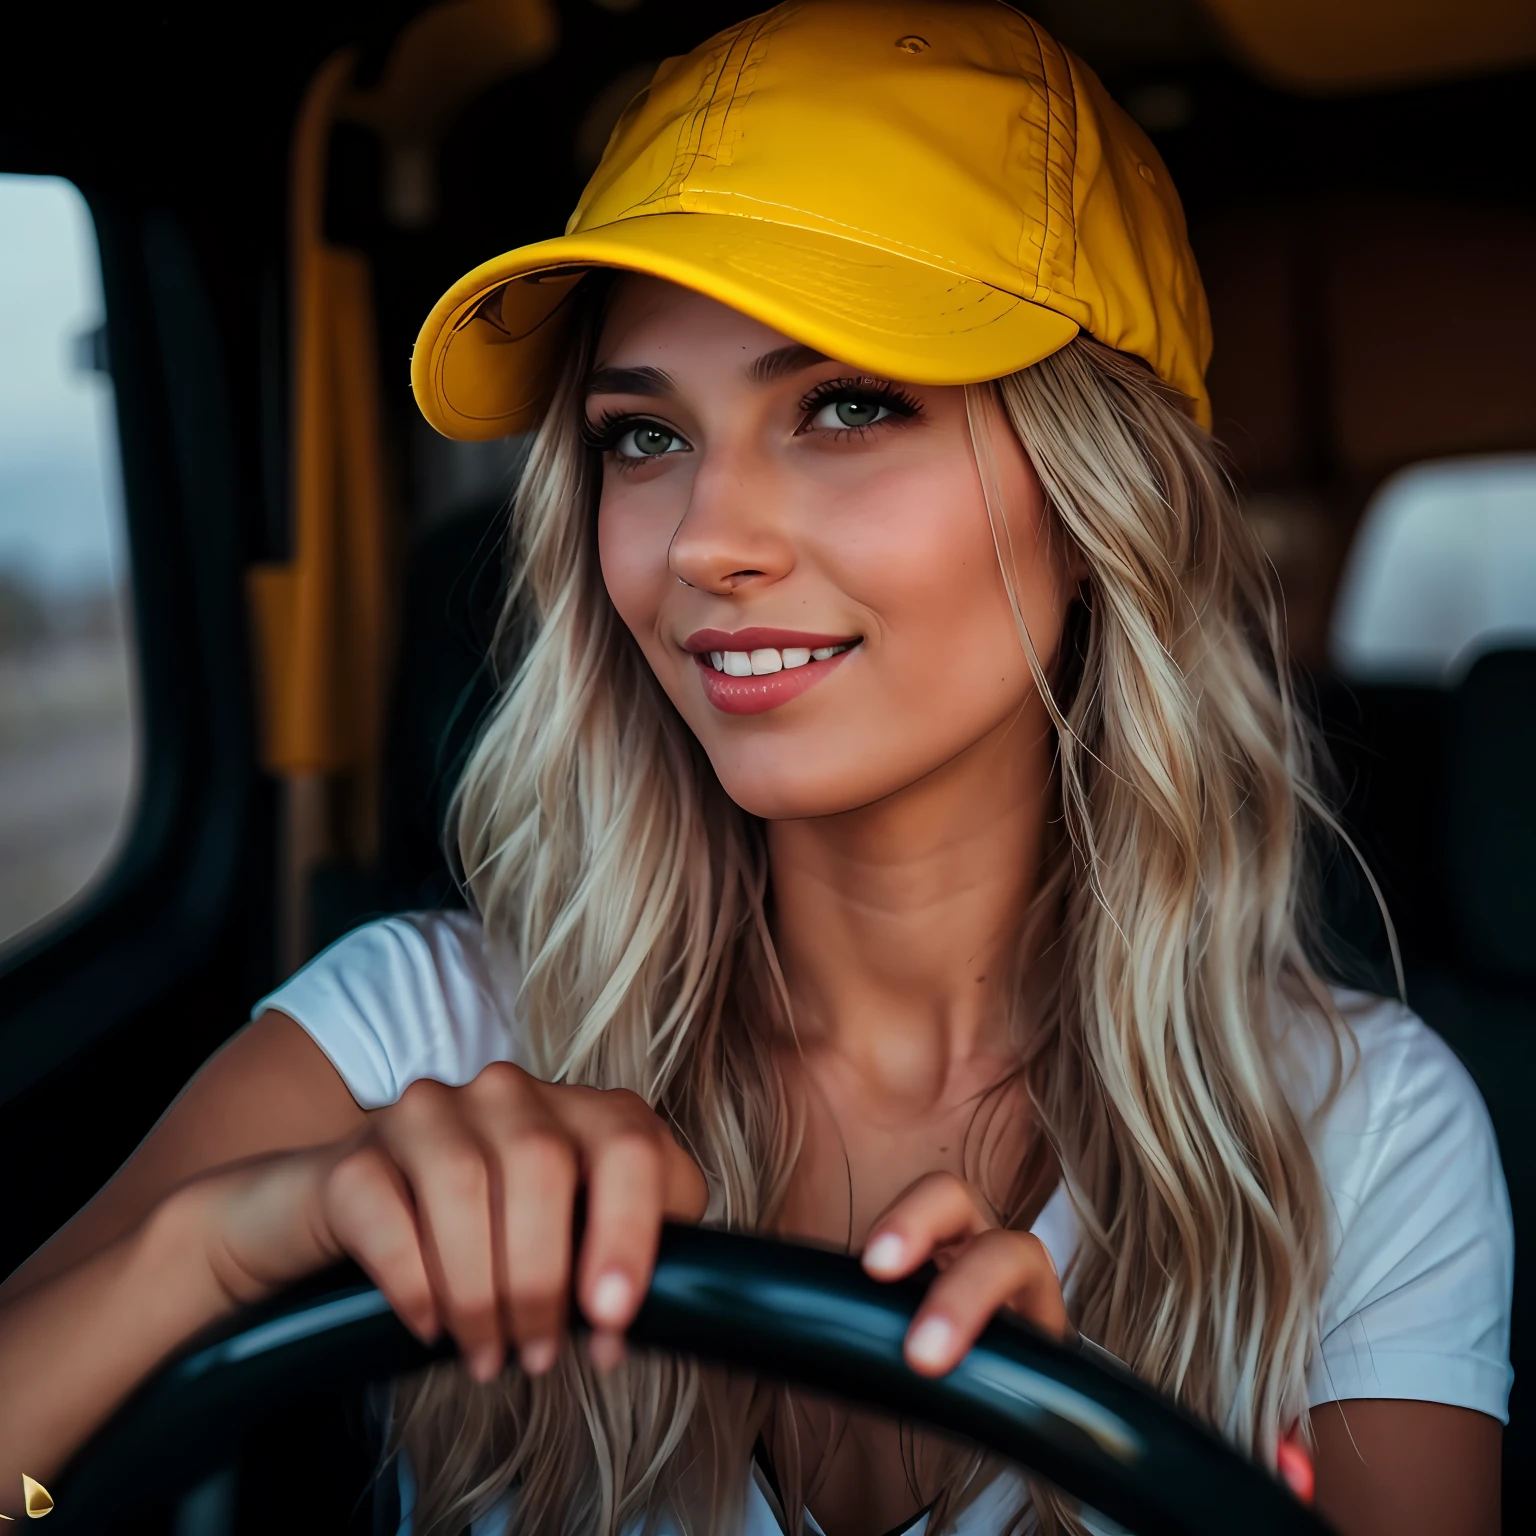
(926, 564)
(632, 555)
(911, 560)
(906, 556)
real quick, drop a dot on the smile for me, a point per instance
(767, 659)
(753, 670)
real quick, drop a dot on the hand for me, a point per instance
(982, 1267)
(458, 1203)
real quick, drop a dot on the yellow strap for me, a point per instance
(320, 618)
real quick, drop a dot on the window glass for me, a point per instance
(1442, 570)
(68, 727)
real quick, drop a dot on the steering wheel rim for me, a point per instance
(796, 1313)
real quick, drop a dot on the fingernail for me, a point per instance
(612, 1297)
(537, 1356)
(1295, 1466)
(932, 1342)
(485, 1364)
(885, 1253)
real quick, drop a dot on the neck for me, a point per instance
(897, 923)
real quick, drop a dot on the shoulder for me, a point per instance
(418, 995)
(1419, 1292)
(1404, 1099)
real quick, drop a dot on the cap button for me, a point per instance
(912, 44)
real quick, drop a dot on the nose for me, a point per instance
(732, 533)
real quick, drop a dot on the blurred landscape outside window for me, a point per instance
(68, 707)
(1442, 571)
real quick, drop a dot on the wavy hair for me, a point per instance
(598, 846)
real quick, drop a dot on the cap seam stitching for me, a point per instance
(1019, 65)
(742, 42)
(692, 134)
(731, 105)
(685, 149)
(1070, 213)
(1050, 123)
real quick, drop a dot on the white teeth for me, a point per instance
(766, 659)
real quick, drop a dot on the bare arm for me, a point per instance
(72, 1348)
(125, 1282)
(1393, 1467)
(268, 1089)
(456, 1201)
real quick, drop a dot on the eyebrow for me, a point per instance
(791, 359)
(766, 369)
(630, 381)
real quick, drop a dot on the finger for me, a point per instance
(936, 1210)
(593, 1115)
(625, 1200)
(685, 1192)
(450, 1182)
(606, 1350)
(368, 1208)
(999, 1268)
(1294, 1465)
(535, 1171)
(636, 1174)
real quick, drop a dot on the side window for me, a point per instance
(1442, 570)
(69, 732)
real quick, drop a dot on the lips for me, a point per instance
(748, 671)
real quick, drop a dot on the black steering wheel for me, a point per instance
(782, 1310)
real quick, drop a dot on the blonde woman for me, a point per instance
(891, 835)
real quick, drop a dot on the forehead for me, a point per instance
(647, 316)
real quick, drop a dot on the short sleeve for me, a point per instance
(403, 998)
(1419, 1296)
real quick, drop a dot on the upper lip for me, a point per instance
(757, 639)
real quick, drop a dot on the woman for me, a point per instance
(893, 836)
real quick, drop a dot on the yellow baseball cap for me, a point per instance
(932, 190)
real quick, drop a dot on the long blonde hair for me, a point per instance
(598, 845)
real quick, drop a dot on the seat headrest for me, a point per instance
(1491, 814)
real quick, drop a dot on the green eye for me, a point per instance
(651, 440)
(858, 413)
(847, 411)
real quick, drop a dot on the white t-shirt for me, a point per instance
(1417, 1304)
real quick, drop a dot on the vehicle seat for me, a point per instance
(1482, 997)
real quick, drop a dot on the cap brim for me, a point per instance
(483, 364)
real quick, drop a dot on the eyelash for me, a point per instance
(603, 435)
(865, 391)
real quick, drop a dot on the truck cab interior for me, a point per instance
(299, 579)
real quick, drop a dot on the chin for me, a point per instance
(768, 792)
